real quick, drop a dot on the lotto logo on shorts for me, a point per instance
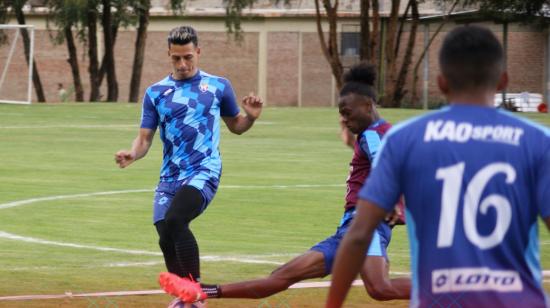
(475, 279)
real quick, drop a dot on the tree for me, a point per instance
(398, 90)
(109, 58)
(17, 7)
(330, 48)
(369, 42)
(141, 9)
(65, 14)
(414, 95)
(90, 23)
(526, 11)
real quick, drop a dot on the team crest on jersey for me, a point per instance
(203, 87)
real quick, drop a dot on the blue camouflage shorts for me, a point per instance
(165, 192)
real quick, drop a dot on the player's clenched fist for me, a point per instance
(124, 158)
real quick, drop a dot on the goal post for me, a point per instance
(12, 71)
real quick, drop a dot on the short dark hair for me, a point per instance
(471, 58)
(183, 35)
(360, 80)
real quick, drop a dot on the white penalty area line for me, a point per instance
(68, 295)
(60, 197)
(252, 259)
(130, 191)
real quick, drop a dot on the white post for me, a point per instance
(262, 65)
(8, 60)
(300, 48)
(30, 65)
(426, 75)
(31, 62)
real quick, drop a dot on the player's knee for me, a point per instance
(379, 290)
(283, 277)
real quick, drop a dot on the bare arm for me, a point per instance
(351, 253)
(140, 147)
(252, 106)
(547, 222)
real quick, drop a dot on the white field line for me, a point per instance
(239, 259)
(300, 285)
(242, 259)
(249, 259)
(16, 237)
(115, 192)
(59, 197)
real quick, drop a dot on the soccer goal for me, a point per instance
(15, 73)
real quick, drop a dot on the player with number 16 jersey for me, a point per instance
(477, 213)
(475, 180)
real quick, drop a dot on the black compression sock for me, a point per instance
(187, 253)
(212, 290)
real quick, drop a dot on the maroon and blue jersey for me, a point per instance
(475, 180)
(365, 148)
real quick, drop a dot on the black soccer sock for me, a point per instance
(212, 290)
(187, 254)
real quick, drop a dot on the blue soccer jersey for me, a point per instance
(188, 114)
(474, 179)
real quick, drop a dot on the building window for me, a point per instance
(350, 44)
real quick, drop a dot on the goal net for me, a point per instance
(15, 73)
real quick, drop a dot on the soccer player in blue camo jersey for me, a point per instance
(475, 179)
(359, 114)
(186, 106)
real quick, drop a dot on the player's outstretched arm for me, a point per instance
(351, 253)
(252, 106)
(140, 147)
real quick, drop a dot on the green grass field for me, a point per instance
(282, 191)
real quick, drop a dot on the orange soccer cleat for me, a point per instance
(188, 290)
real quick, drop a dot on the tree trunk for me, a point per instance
(92, 53)
(27, 46)
(414, 95)
(330, 50)
(73, 61)
(390, 56)
(103, 66)
(401, 26)
(365, 51)
(375, 31)
(399, 92)
(139, 55)
(112, 86)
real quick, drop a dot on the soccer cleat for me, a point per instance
(178, 303)
(186, 289)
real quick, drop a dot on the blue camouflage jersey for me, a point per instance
(474, 179)
(188, 115)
